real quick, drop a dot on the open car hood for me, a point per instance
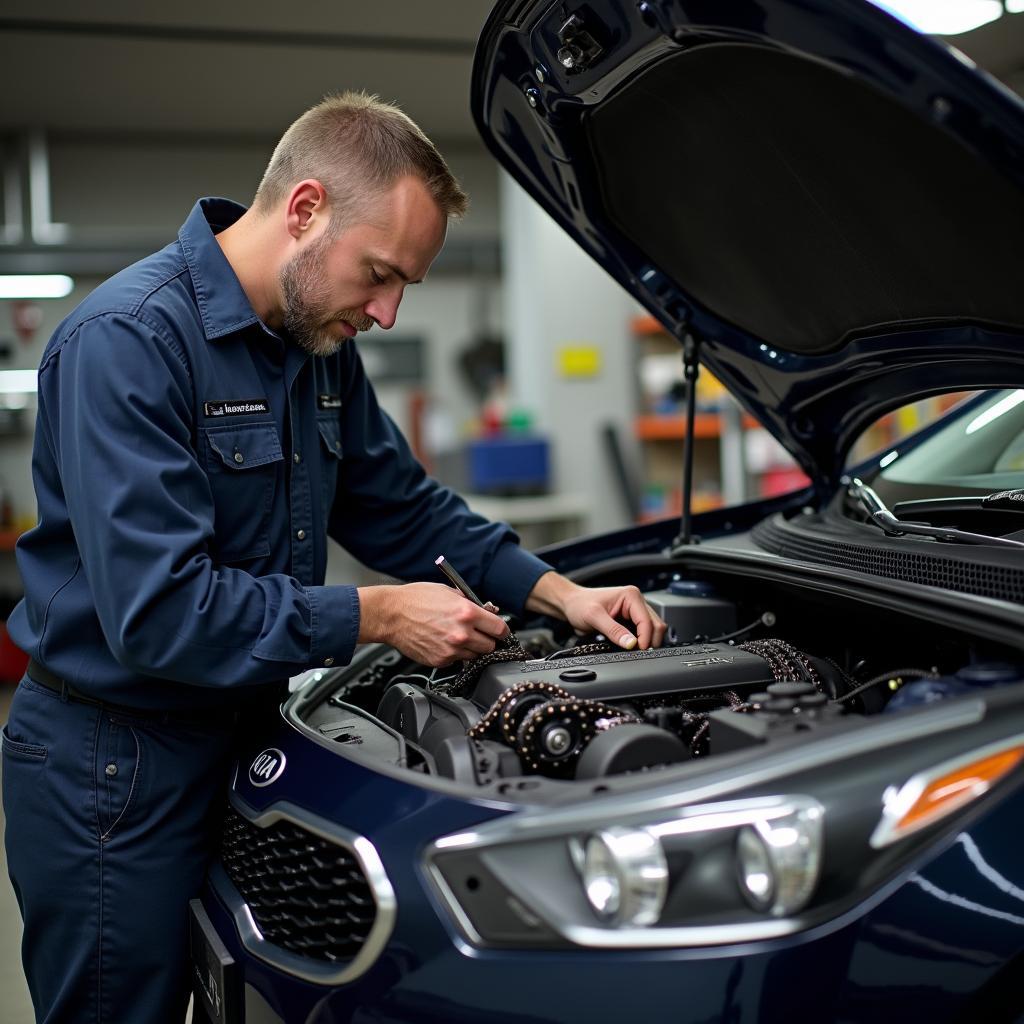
(830, 202)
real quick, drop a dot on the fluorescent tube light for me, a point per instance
(35, 286)
(1011, 401)
(17, 382)
(943, 17)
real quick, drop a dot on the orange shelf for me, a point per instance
(646, 324)
(702, 501)
(673, 428)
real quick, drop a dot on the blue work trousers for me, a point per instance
(111, 822)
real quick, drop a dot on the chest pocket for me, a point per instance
(330, 458)
(242, 463)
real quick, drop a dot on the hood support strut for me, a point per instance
(691, 370)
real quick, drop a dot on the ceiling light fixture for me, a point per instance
(18, 382)
(944, 17)
(35, 286)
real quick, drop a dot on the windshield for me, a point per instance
(979, 452)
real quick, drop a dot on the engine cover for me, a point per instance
(624, 675)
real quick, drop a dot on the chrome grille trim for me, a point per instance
(365, 853)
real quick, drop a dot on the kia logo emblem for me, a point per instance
(267, 767)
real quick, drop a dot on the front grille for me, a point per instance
(306, 894)
(974, 572)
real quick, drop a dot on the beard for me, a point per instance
(308, 316)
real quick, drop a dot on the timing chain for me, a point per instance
(545, 725)
(507, 712)
(785, 661)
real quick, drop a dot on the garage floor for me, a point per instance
(15, 1006)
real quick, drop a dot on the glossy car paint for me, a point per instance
(945, 937)
(816, 405)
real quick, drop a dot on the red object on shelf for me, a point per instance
(13, 660)
(782, 481)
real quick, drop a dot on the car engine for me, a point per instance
(567, 709)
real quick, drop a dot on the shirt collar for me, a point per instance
(223, 305)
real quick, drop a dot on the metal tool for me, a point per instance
(458, 582)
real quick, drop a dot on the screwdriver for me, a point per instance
(460, 584)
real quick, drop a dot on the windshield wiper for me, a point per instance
(1002, 501)
(879, 514)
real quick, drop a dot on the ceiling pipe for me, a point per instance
(219, 36)
(13, 231)
(44, 230)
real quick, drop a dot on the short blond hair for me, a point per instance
(357, 146)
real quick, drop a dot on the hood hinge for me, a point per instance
(579, 48)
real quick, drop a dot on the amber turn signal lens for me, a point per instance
(932, 795)
(957, 788)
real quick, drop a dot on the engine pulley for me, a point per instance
(553, 735)
(506, 714)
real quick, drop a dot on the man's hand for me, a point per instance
(595, 609)
(428, 622)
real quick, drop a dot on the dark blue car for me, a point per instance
(807, 805)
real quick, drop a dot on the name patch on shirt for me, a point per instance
(236, 407)
(328, 401)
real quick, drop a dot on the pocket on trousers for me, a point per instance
(118, 768)
(19, 751)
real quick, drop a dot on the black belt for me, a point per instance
(44, 677)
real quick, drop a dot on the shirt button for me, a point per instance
(239, 457)
(337, 446)
(111, 770)
(297, 458)
(328, 662)
(301, 534)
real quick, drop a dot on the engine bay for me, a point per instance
(739, 670)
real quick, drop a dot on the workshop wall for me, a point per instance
(120, 188)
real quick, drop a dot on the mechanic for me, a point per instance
(203, 426)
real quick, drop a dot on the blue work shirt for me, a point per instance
(189, 464)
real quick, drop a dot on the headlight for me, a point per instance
(757, 878)
(691, 877)
(778, 861)
(625, 876)
(629, 870)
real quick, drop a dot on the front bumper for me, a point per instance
(926, 952)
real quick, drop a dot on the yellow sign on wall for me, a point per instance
(579, 360)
